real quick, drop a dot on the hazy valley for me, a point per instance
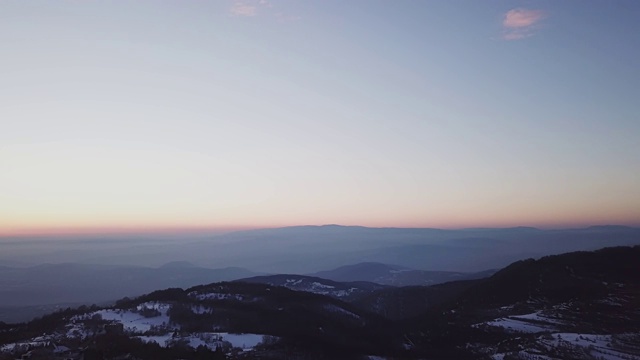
(576, 305)
(37, 272)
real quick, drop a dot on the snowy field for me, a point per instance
(211, 340)
(528, 323)
(601, 347)
(133, 321)
(515, 325)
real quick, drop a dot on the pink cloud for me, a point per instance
(243, 10)
(519, 18)
(248, 7)
(521, 23)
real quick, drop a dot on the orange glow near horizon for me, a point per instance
(130, 228)
(88, 188)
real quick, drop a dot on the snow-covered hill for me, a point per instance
(339, 290)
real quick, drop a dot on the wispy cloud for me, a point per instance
(521, 23)
(248, 7)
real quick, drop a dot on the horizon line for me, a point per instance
(219, 230)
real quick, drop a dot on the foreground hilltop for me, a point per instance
(582, 305)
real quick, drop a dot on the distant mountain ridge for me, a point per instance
(395, 275)
(279, 250)
(431, 249)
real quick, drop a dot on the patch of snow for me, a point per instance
(211, 340)
(598, 345)
(243, 341)
(399, 271)
(321, 286)
(199, 309)
(162, 307)
(515, 325)
(612, 301)
(158, 339)
(219, 296)
(343, 293)
(59, 349)
(539, 317)
(29, 344)
(133, 322)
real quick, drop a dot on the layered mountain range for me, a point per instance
(579, 305)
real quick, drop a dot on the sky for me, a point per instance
(139, 115)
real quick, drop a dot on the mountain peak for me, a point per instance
(178, 264)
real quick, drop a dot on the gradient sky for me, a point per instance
(194, 114)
